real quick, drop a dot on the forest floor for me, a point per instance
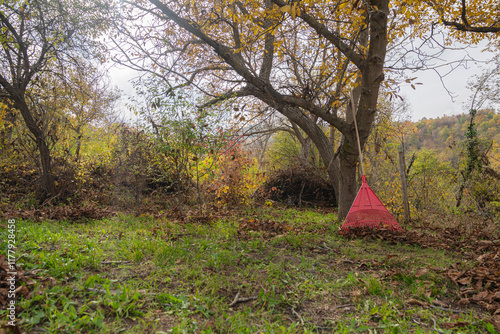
(264, 270)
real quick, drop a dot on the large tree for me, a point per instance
(304, 59)
(40, 36)
(88, 99)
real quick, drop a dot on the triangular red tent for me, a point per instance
(368, 211)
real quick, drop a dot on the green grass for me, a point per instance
(183, 278)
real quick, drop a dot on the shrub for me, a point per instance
(299, 185)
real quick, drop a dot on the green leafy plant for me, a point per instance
(123, 302)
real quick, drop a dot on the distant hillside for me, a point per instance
(445, 132)
(436, 151)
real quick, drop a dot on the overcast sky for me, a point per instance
(446, 93)
(430, 99)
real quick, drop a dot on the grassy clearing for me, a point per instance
(144, 275)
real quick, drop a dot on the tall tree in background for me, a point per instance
(486, 91)
(88, 100)
(41, 36)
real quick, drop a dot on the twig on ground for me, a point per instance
(241, 300)
(298, 316)
(447, 309)
(235, 300)
(424, 324)
(114, 262)
(343, 306)
(32, 272)
(347, 261)
(114, 292)
(435, 327)
(48, 200)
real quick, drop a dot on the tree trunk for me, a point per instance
(78, 146)
(313, 131)
(305, 150)
(460, 194)
(48, 181)
(332, 136)
(372, 74)
(305, 143)
(402, 174)
(47, 176)
(261, 158)
(348, 188)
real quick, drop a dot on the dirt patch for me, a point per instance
(68, 212)
(270, 228)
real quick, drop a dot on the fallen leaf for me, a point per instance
(439, 303)
(464, 281)
(464, 301)
(450, 325)
(421, 272)
(417, 302)
(483, 295)
(455, 275)
(22, 290)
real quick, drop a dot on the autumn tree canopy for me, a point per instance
(314, 62)
(303, 59)
(37, 37)
(469, 16)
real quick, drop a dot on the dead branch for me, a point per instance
(114, 262)
(114, 292)
(446, 309)
(241, 300)
(344, 306)
(298, 316)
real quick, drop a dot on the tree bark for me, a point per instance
(305, 144)
(47, 176)
(305, 150)
(347, 180)
(402, 174)
(78, 146)
(313, 131)
(372, 74)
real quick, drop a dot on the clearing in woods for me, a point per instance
(269, 270)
